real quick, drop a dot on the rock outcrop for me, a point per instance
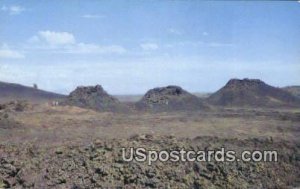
(94, 97)
(170, 98)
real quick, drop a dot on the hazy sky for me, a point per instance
(131, 46)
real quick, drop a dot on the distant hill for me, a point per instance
(12, 91)
(202, 95)
(94, 97)
(170, 98)
(128, 98)
(294, 90)
(252, 92)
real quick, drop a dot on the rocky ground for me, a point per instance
(44, 146)
(99, 164)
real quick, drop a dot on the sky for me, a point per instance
(131, 46)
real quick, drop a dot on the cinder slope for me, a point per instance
(253, 93)
(12, 91)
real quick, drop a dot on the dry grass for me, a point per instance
(45, 124)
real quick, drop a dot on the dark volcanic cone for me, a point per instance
(94, 97)
(253, 93)
(170, 98)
